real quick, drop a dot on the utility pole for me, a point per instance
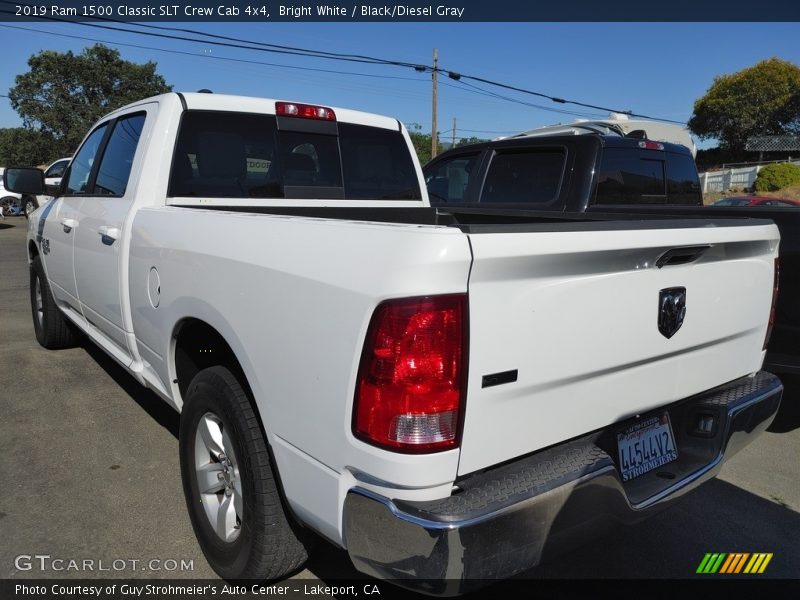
(454, 133)
(434, 124)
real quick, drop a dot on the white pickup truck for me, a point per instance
(448, 395)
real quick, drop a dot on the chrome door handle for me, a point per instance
(68, 224)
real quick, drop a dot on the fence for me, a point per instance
(731, 179)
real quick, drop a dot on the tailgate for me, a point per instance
(575, 313)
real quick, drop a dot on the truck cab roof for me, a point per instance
(592, 138)
(255, 105)
(622, 124)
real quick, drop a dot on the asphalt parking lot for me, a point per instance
(89, 462)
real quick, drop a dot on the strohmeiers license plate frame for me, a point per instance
(646, 445)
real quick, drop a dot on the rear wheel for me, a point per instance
(231, 490)
(52, 329)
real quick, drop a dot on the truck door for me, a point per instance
(58, 225)
(99, 249)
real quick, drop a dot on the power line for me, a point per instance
(476, 130)
(263, 44)
(337, 55)
(204, 56)
(291, 50)
(475, 89)
(490, 93)
(468, 87)
(459, 76)
(259, 46)
(464, 85)
(451, 74)
(484, 130)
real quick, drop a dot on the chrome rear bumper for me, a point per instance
(506, 520)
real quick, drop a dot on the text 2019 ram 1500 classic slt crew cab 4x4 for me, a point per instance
(446, 398)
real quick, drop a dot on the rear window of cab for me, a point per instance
(639, 176)
(240, 155)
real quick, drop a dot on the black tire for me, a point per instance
(53, 330)
(270, 544)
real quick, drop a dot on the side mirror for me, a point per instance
(24, 180)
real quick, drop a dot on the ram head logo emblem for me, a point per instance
(671, 310)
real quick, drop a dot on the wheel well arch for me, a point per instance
(33, 251)
(198, 346)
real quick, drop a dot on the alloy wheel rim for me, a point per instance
(218, 480)
(39, 303)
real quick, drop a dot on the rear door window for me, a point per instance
(530, 176)
(448, 180)
(226, 155)
(236, 155)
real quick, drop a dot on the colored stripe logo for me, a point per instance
(734, 563)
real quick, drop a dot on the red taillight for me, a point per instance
(774, 303)
(410, 386)
(304, 111)
(648, 145)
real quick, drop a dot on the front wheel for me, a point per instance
(51, 327)
(231, 491)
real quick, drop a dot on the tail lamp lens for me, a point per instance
(410, 389)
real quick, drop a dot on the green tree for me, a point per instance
(63, 94)
(761, 100)
(421, 142)
(22, 147)
(470, 140)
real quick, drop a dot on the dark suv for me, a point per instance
(564, 172)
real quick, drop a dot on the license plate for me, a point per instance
(645, 446)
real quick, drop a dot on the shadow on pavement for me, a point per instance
(788, 417)
(329, 563)
(153, 405)
(718, 517)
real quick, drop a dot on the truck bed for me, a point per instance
(563, 312)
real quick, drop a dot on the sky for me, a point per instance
(655, 69)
